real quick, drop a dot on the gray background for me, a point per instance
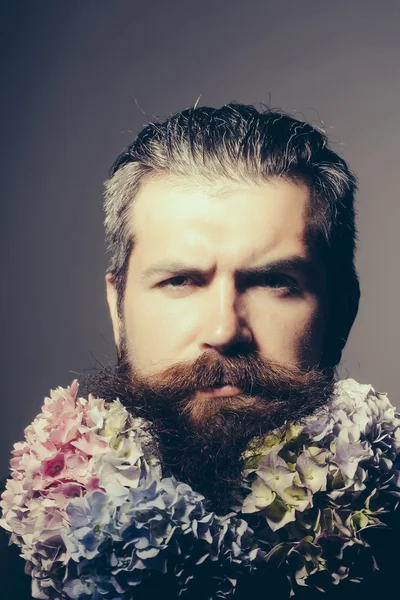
(72, 75)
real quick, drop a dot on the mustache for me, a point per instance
(251, 373)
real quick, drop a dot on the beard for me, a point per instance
(199, 439)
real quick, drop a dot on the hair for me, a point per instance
(238, 143)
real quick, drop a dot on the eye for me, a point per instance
(279, 281)
(173, 280)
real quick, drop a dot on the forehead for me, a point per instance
(179, 218)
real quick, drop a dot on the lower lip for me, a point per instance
(226, 390)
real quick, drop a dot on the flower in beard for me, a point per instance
(162, 527)
(277, 489)
(313, 469)
(341, 456)
(91, 520)
(62, 460)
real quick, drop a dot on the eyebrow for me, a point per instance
(299, 264)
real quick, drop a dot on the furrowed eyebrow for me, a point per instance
(303, 266)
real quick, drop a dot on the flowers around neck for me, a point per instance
(94, 517)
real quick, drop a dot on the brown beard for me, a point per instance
(201, 440)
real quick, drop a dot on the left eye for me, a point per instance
(177, 280)
(278, 281)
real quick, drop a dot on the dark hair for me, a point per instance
(239, 143)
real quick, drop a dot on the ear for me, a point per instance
(112, 299)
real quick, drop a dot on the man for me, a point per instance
(232, 281)
(232, 287)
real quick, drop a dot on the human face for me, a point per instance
(189, 288)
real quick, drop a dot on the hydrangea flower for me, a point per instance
(94, 517)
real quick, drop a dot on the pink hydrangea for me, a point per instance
(53, 465)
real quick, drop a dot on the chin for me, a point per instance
(202, 409)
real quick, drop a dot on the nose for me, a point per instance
(224, 323)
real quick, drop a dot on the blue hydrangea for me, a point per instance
(161, 522)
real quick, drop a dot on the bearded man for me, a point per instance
(232, 287)
(232, 291)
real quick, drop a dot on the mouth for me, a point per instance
(221, 391)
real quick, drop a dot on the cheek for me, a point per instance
(309, 332)
(154, 334)
(292, 329)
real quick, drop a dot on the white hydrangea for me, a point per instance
(350, 443)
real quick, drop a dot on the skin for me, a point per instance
(221, 230)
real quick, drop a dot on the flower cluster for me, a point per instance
(158, 526)
(91, 512)
(72, 448)
(94, 517)
(322, 482)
